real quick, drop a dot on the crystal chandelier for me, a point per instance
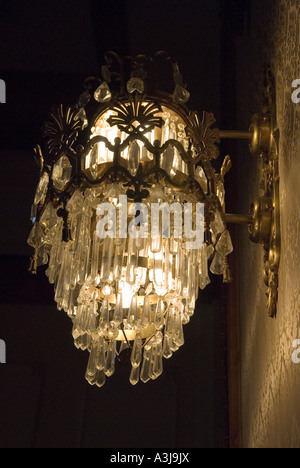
(126, 277)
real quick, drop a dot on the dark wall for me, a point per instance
(46, 49)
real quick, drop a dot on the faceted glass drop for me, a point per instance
(36, 236)
(168, 159)
(181, 95)
(135, 84)
(217, 224)
(201, 178)
(104, 315)
(94, 162)
(91, 367)
(136, 354)
(209, 251)
(100, 356)
(75, 204)
(204, 279)
(144, 375)
(81, 115)
(49, 217)
(102, 93)
(61, 173)
(100, 378)
(109, 367)
(134, 375)
(221, 192)
(41, 188)
(42, 258)
(217, 265)
(167, 352)
(224, 245)
(132, 314)
(33, 213)
(84, 99)
(157, 193)
(159, 315)
(134, 152)
(118, 313)
(146, 314)
(149, 289)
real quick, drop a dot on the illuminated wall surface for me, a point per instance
(270, 380)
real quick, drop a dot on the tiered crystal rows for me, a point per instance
(136, 152)
(120, 290)
(125, 296)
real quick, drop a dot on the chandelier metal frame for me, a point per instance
(125, 92)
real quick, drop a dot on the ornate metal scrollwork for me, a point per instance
(204, 137)
(63, 128)
(137, 117)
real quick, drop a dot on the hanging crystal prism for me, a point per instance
(168, 159)
(41, 189)
(221, 192)
(94, 161)
(49, 218)
(217, 264)
(224, 245)
(201, 178)
(61, 173)
(217, 225)
(133, 162)
(36, 236)
(33, 213)
(181, 95)
(75, 203)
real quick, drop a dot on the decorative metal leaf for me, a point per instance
(63, 128)
(203, 136)
(137, 117)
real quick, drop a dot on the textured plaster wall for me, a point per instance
(270, 380)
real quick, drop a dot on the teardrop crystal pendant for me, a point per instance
(102, 93)
(36, 236)
(181, 95)
(135, 84)
(224, 245)
(61, 173)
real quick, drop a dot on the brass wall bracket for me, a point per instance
(264, 218)
(265, 211)
(265, 228)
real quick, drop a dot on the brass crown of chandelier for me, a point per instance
(127, 297)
